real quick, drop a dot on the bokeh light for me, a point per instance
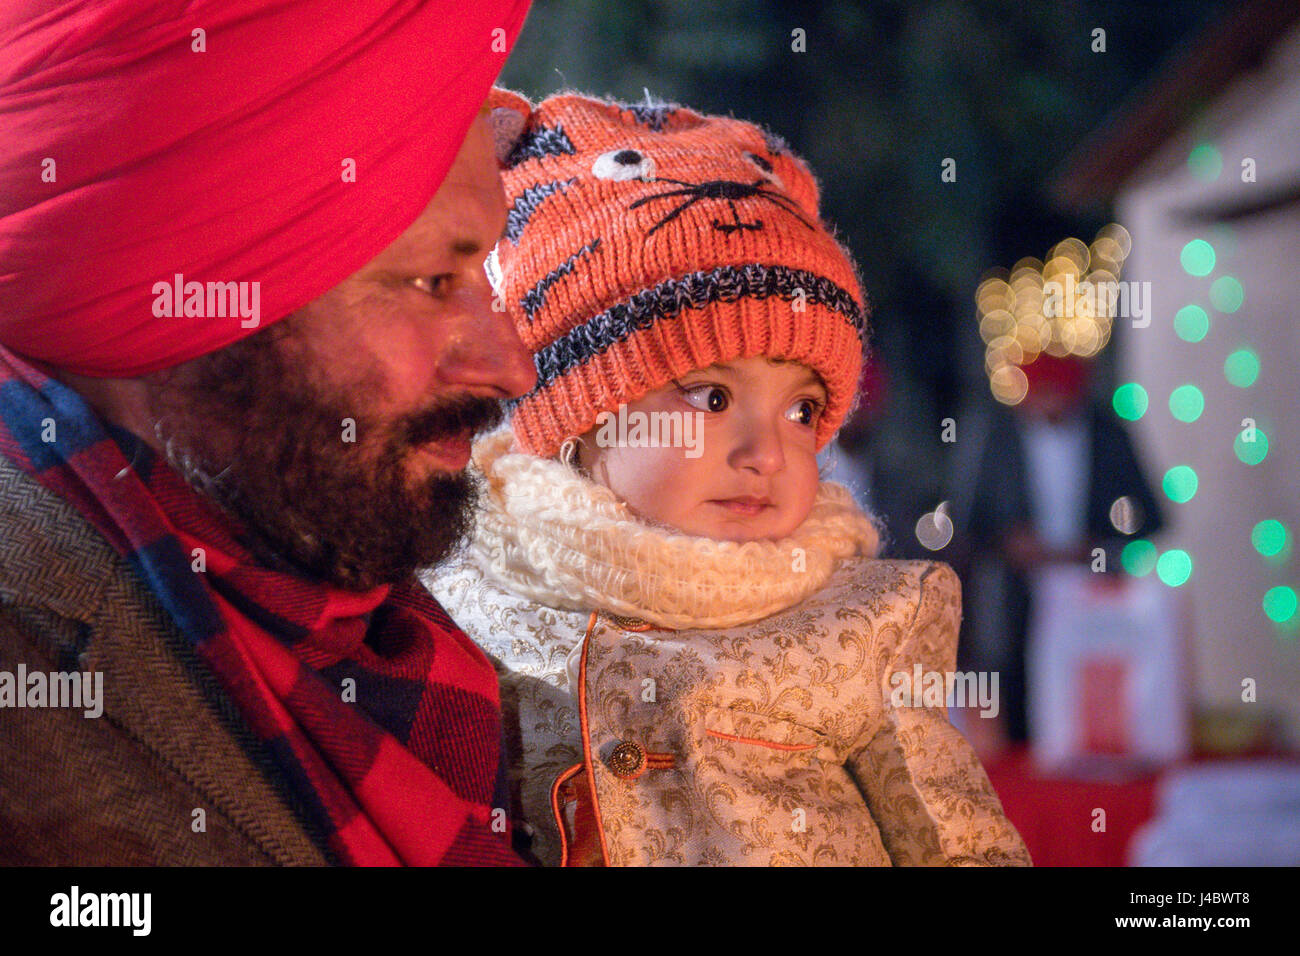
(1280, 604)
(1180, 483)
(934, 529)
(1061, 305)
(1130, 401)
(1174, 567)
(1191, 322)
(1269, 537)
(1241, 368)
(1205, 162)
(1254, 451)
(1125, 514)
(1138, 557)
(1186, 403)
(1009, 385)
(1226, 294)
(1198, 258)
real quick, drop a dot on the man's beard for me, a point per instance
(247, 429)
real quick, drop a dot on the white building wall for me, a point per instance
(1259, 118)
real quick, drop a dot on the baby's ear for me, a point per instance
(508, 114)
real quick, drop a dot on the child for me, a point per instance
(694, 639)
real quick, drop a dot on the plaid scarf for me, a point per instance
(381, 713)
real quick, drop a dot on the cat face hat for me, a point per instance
(644, 242)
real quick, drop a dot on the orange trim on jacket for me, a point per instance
(761, 743)
(567, 787)
(586, 736)
(559, 783)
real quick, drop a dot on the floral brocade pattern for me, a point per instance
(786, 749)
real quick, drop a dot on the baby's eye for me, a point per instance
(434, 285)
(707, 398)
(805, 411)
(620, 164)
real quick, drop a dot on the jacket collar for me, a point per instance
(52, 559)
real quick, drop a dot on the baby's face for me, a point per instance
(748, 472)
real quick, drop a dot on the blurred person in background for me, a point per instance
(1044, 482)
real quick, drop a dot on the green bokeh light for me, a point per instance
(1269, 537)
(1180, 483)
(1138, 557)
(1130, 401)
(1226, 294)
(1205, 162)
(1174, 567)
(1241, 368)
(1251, 452)
(1280, 604)
(1191, 322)
(1186, 403)
(1198, 258)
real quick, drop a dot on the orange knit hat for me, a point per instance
(644, 242)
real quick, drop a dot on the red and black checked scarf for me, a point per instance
(403, 775)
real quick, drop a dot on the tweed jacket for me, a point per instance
(773, 743)
(124, 788)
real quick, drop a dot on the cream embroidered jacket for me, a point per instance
(780, 743)
(717, 702)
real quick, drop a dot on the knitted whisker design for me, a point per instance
(718, 189)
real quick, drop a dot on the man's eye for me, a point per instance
(433, 285)
(805, 411)
(707, 398)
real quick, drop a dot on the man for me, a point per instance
(246, 340)
(1044, 483)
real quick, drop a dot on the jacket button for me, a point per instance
(627, 760)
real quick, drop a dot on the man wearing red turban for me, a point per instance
(245, 341)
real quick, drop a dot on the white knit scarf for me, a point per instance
(550, 534)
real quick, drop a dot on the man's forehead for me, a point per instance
(463, 219)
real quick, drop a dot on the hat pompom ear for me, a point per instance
(508, 114)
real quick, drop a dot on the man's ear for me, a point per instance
(508, 114)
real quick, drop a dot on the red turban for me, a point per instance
(214, 140)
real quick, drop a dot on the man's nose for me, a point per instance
(485, 351)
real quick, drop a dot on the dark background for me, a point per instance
(882, 94)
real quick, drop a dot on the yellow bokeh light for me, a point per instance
(1074, 250)
(1013, 307)
(1009, 385)
(1032, 338)
(1028, 263)
(1089, 339)
(995, 323)
(1113, 230)
(1058, 267)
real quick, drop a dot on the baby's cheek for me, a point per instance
(803, 481)
(655, 482)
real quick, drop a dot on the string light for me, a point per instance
(1063, 304)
